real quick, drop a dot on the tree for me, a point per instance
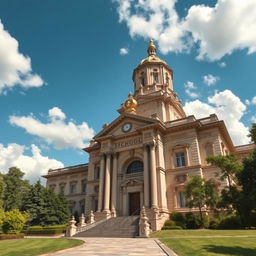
(34, 203)
(247, 180)
(2, 188)
(201, 193)
(252, 133)
(228, 165)
(45, 207)
(15, 189)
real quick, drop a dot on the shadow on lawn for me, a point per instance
(230, 250)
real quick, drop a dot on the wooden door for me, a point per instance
(134, 203)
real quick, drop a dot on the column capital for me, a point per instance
(152, 144)
(115, 154)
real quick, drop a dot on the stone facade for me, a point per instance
(145, 156)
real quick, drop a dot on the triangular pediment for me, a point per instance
(131, 182)
(125, 124)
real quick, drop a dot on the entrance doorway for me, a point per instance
(134, 203)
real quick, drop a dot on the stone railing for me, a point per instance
(144, 227)
(72, 229)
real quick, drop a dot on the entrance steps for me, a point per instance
(126, 226)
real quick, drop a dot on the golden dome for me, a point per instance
(152, 54)
(130, 104)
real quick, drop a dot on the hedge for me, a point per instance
(11, 236)
(46, 230)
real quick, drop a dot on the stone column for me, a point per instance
(114, 185)
(107, 184)
(146, 176)
(102, 165)
(153, 176)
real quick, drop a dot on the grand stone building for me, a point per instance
(145, 156)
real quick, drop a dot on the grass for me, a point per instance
(35, 246)
(209, 242)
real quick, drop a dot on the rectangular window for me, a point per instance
(155, 77)
(62, 189)
(182, 199)
(97, 173)
(84, 185)
(72, 188)
(180, 159)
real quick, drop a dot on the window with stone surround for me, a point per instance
(180, 155)
(72, 187)
(83, 186)
(180, 159)
(62, 188)
(181, 199)
(97, 172)
(209, 149)
(155, 78)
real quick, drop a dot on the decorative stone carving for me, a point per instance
(144, 224)
(72, 228)
(81, 221)
(91, 217)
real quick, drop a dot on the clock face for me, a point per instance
(127, 127)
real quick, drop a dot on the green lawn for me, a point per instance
(209, 242)
(35, 246)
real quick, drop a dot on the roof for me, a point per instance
(66, 170)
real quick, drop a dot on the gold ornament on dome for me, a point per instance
(130, 104)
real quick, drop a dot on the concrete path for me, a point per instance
(114, 247)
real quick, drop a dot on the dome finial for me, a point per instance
(130, 104)
(151, 48)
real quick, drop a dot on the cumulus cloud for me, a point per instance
(210, 79)
(189, 89)
(217, 30)
(124, 51)
(254, 100)
(58, 132)
(253, 119)
(33, 165)
(56, 113)
(228, 107)
(15, 68)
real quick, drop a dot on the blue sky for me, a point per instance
(66, 66)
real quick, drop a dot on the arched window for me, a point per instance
(134, 167)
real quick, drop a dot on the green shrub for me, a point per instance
(193, 221)
(14, 221)
(230, 222)
(214, 223)
(178, 218)
(169, 223)
(46, 230)
(171, 227)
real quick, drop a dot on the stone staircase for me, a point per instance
(127, 226)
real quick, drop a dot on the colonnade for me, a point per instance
(107, 200)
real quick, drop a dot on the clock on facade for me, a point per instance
(126, 127)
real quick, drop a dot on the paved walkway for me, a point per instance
(115, 247)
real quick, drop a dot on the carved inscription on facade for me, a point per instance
(127, 143)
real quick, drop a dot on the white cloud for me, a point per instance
(15, 68)
(189, 89)
(56, 113)
(247, 102)
(253, 119)
(222, 64)
(254, 100)
(33, 165)
(124, 51)
(217, 30)
(61, 134)
(210, 79)
(228, 107)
